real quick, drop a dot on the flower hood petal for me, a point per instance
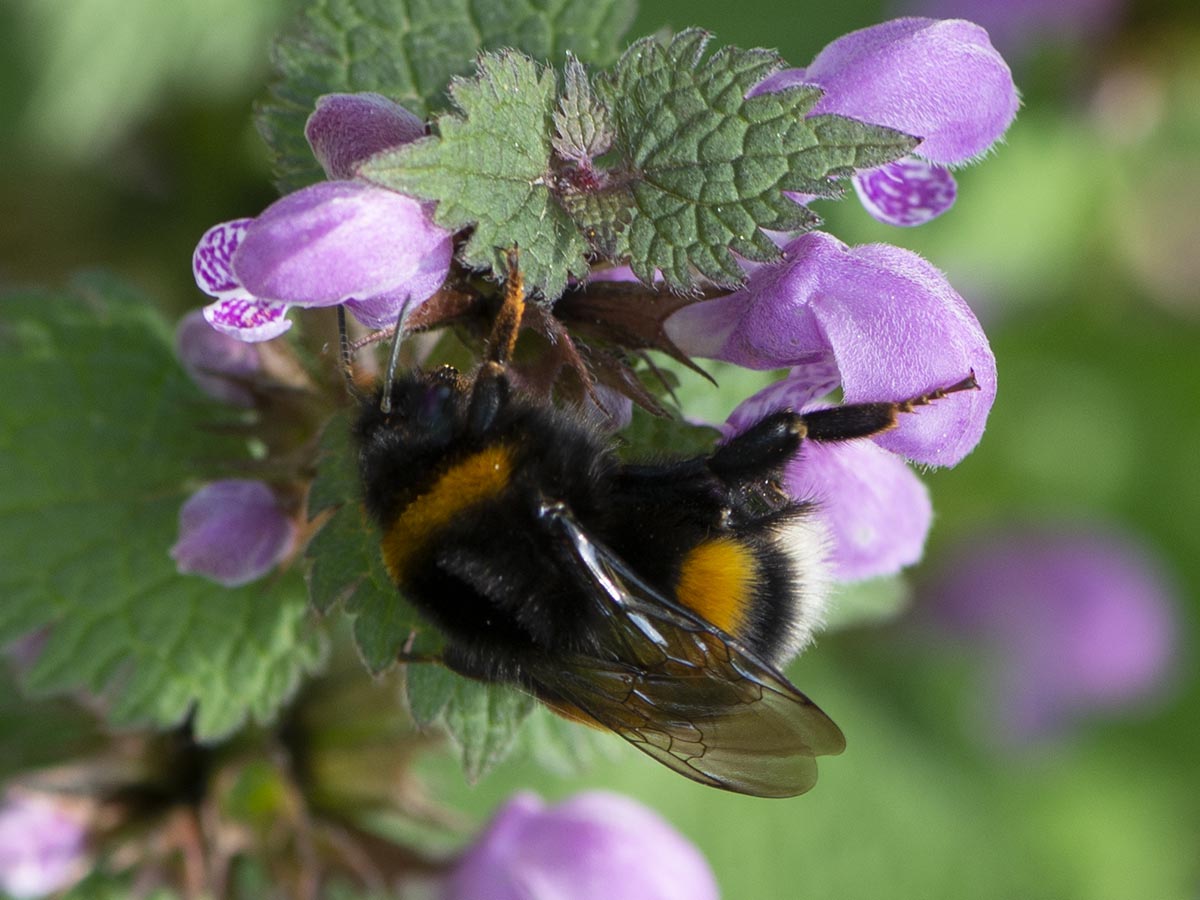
(938, 79)
(338, 240)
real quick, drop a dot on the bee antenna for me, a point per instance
(385, 402)
(346, 354)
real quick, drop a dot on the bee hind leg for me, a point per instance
(772, 442)
(856, 420)
(763, 447)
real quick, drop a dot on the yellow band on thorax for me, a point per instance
(717, 581)
(479, 477)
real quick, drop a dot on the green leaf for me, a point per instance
(490, 168)
(868, 602)
(582, 126)
(650, 437)
(346, 563)
(100, 885)
(564, 747)
(484, 720)
(428, 689)
(706, 167)
(100, 443)
(409, 50)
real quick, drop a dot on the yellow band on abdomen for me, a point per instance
(717, 580)
(479, 477)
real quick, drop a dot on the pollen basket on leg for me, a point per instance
(717, 581)
(466, 483)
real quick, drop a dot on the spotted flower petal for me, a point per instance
(345, 130)
(212, 260)
(237, 312)
(886, 320)
(906, 193)
(593, 846)
(232, 532)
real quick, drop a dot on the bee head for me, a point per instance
(416, 409)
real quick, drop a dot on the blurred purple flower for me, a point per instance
(43, 846)
(1017, 25)
(232, 532)
(348, 129)
(594, 846)
(1079, 621)
(884, 325)
(331, 243)
(220, 365)
(939, 80)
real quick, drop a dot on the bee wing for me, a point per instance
(680, 690)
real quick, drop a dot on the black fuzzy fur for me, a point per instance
(493, 582)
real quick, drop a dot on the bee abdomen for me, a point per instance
(719, 579)
(466, 483)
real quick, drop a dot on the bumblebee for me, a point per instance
(658, 600)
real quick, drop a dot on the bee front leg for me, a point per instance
(488, 396)
(491, 389)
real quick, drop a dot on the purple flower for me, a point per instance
(330, 243)
(347, 129)
(220, 365)
(884, 325)
(1078, 621)
(939, 80)
(232, 532)
(43, 845)
(594, 846)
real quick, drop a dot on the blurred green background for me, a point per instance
(127, 132)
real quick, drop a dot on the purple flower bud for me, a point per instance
(232, 532)
(345, 130)
(43, 845)
(594, 846)
(939, 80)
(877, 319)
(331, 243)
(1078, 621)
(219, 364)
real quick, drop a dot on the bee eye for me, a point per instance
(433, 402)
